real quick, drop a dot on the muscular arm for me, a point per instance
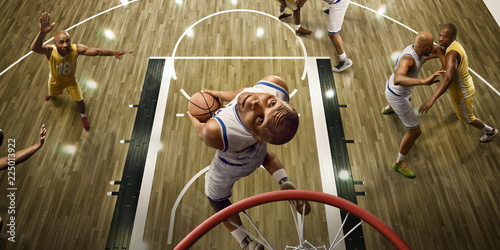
(406, 64)
(45, 27)
(450, 70)
(208, 132)
(84, 50)
(271, 162)
(224, 96)
(26, 153)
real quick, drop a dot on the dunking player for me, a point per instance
(240, 132)
(459, 81)
(398, 92)
(62, 62)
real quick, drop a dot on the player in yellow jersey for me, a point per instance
(295, 6)
(62, 56)
(459, 81)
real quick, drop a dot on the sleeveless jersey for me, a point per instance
(399, 90)
(462, 86)
(63, 69)
(240, 147)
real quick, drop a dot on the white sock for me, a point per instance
(297, 26)
(281, 13)
(83, 115)
(400, 158)
(280, 175)
(239, 235)
(343, 57)
(487, 129)
(387, 107)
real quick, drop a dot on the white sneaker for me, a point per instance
(489, 136)
(343, 65)
(252, 245)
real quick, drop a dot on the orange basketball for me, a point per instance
(203, 105)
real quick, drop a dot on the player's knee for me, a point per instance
(219, 205)
(416, 131)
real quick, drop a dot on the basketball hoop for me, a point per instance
(284, 195)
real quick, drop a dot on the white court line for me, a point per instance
(178, 200)
(152, 154)
(70, 28)
(185, 94)
(333, 219)
(238, 10)
(263, 13)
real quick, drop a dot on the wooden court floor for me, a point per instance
(61, 200)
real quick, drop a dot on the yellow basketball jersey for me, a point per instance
(462, 86)
(63, 69)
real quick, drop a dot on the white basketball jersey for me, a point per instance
(240, 147)
(399, 90)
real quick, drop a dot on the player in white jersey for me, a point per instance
(240, 132)
(398, 92)
(336, 14)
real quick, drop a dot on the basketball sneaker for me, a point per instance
(47, 97)
(403, 169)
(326, 10)
(387, 110)
(85, 122)
(285, 15)
(489, 136)
(343, 65)
(299, 204)
(250, 244)
(302, 32)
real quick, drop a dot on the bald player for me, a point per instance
(398, 92)
(62, 57)
(240, 132)
(459, 81)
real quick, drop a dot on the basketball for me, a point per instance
(203, 105)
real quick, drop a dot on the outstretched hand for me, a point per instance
(45, 26)
(118, 54)
(425, 107)
(41, 137)
(431, 79)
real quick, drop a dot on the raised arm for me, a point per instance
(84, 50)
(405, 64)
(26, 153)
(450, 70)
(208, 132)
(45, 27)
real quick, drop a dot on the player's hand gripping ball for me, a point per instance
(203, 105)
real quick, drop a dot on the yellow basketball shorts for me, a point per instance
(290, 4)
(74, 91)
(464, 108)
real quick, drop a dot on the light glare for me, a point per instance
(109, 34)
(69, 149)
(260, 32)
(91, 84)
